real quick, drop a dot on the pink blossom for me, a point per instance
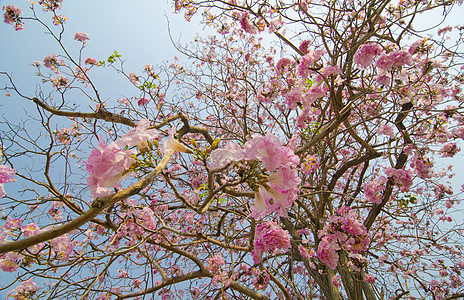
(368, 278)
(365, 55)
(270, 152)
(53, 63)
(63, 136)
(214, 263)
(310, 164)
(106, 166)
(294, 97)
(50, 5)
(246, 24)
(170, 143)
(138, 136)
(308, 60)
(9, 262)
(25, 290)
(282, 63)
(269, 236)
(394, 59)
(134, 79)
(62, 246)
(6, 174)
(30, 229)
(305, 252)
(327, 252)
(373, 188)
(59, 19)
(230, 153)
(60, 81)
(336, 281)
(304, 46)
(143, 101)
(262, 280)
(11, 16)
(81, 36)
(402, 178)
(386, 130)
(449, 150)
(91, 61)
(422, 165)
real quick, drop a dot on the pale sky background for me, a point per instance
(137, 29)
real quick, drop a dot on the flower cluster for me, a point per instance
(106, 166)
(6, 176)
(394, 59)
(81, 37)
(11, 16)
(366, 54)
(269, 236)
(281, 188)
(53, 63)
(50, 5)
(246, 24)
(138, 136)
(25, 290)
(342, 231)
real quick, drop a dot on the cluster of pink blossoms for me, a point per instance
(342, 231)
(50, 5)
(53, 63)
(269, 237)
(394, 59)
(366, 54)
(281, 190)
(25, 290)
(246, 24)
(11, 16)
(6, 176)
(81, 37)
(108, 165)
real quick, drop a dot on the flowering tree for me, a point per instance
(297, 157)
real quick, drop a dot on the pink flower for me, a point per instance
(269, 236)
(386, 130)
(394, 59)
(172, 144)
(305, 252)
(366, 54)
(91, 61)
(106, 166)
(134, 79)
(53, 63)
(304, 46)
(282, 63)
(63, 136)
(270, 152)
(230, 153)
(307, 61)
(6, 174)
(138, 136)
(294, 97)
(262, 280)
(336, 281)
(215, 262)
(11, 16)
(368, 278)
(373, 188)
(402, 178)
(327, 252)
(9, 262)
(143, 101)
(50, 5)
(246, 24)
(81, 36)
(449, 150)
(423, 166)
(60, 81)
(25, 290)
